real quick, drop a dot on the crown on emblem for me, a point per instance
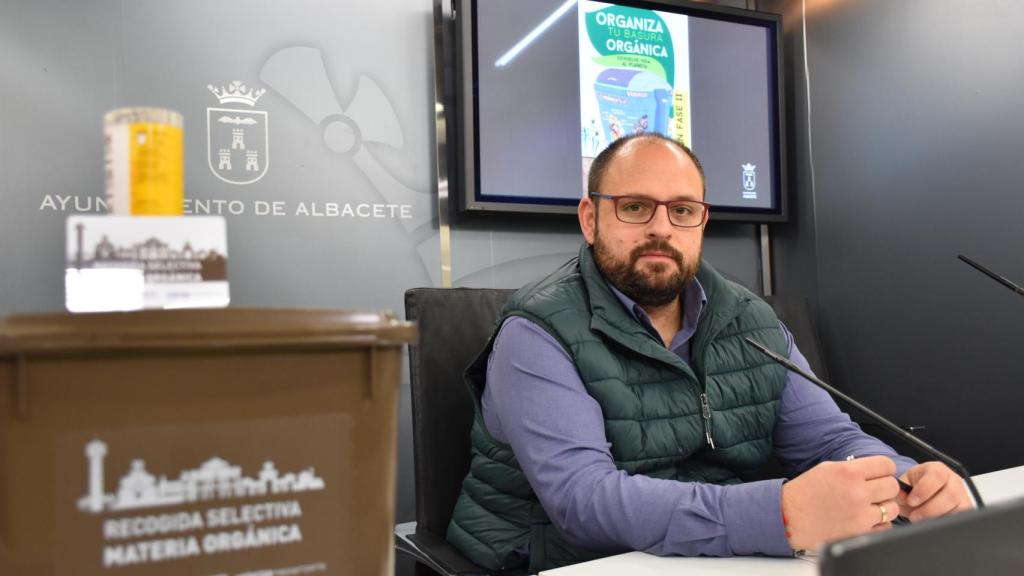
(748, 167)
(236, 92)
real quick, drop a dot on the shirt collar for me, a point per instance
(694, 302)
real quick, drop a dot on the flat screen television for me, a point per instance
(544, 85)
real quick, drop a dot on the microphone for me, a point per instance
(1002, 280)
(881, 420)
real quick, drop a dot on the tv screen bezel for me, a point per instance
(466, 129)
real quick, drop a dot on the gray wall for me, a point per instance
(916, 129)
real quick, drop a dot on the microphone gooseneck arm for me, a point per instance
(998, 278)
(881, 420)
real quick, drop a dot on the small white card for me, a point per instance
(117, 263)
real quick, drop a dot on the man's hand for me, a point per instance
(838, 499)
(937, 491)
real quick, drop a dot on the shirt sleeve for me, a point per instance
(811, 428)
(536, 402)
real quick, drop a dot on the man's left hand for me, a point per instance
(937, 491)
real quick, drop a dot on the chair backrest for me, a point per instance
(454, 324)
(796, 314)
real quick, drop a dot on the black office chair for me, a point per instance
(796, 314)
(454, 324)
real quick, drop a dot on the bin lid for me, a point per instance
(229, 328)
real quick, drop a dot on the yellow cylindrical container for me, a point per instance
(145, 166)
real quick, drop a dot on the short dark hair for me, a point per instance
(600, 165)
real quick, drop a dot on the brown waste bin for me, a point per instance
(223, 442)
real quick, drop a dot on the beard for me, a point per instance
(650, 285)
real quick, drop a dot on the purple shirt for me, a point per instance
(536, 402)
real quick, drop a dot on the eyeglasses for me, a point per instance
(639, 210)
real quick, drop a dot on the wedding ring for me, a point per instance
(885, 513)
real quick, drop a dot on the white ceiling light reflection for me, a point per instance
(534, 34)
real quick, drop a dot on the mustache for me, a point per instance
(660, 246)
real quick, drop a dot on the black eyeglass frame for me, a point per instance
(657, 203)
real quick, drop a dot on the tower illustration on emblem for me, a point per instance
(94, 501)
(237, 138)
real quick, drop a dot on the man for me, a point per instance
(618, 407)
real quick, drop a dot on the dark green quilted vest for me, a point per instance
(653, 405)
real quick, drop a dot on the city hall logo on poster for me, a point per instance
(237, 138)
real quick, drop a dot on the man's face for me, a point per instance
(649, 262)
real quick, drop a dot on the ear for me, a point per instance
(587, 212)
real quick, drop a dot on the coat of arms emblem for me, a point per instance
(749, 181)
(237, 138)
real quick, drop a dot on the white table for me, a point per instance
(995, 487)
(643, 564)
(1001, 486)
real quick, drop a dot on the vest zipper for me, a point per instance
(705, 409)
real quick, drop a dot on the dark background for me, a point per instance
(915, 133)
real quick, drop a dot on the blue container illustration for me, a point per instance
(632, 101)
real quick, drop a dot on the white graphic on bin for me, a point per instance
(237, 139)
(214, 479)
(749, 181)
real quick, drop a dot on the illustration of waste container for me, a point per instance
(632, 101)
(199, 442)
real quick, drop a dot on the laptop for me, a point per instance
(988, 541)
